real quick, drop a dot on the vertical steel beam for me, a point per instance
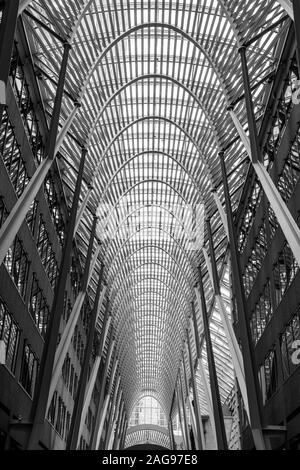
(118, 427)
(200, 433)
(102, 391)
(18, 213)
(78, 406)
(111, 414)
(117, 443)
(171, 433)
(124, 432)
(69, 329)
(188, 442)
(253, 136)
(235, 351)
(92, 379)
(296, 11)
(115, 421)
(196, 331)
(215, 393)
(7, 34)
(285, 219)
(104, 408)
(207, 392)
(181, 422)
(250, 368)
(201, 367)
(39, 407)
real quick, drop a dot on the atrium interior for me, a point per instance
(149, 224)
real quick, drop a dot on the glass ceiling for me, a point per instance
(147, 90)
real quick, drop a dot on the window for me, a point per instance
(3, 212)
(262, 313)
(46, 253)
(11, 155)
(61, 417)
(54, 207)
(148, 411)
(269, 375)
(29, 370)
(31, 216)
(290, 334)
(10, 333)
(17, 264)
(285, 269)
(52, 409)
(66, 369)
(38, 307)
(71, 380)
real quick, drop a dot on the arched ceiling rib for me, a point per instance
(154, 79)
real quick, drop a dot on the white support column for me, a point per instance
(193, 421)
(235, 351)
(18, 213)
(82, 208)
(285, 219)
(116, 442)
(23, 5)
(115, 422)
(114, 407)
(65, 128)
(2, 93)
(105, 405)
(181, 420)
(66, 338)
(221, 212)
(91, 382)
(288, 7)
(207, 392)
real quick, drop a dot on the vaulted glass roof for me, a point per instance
(147, 92)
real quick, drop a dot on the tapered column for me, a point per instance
(251, 373)
(7, 34)
(78, 406)
(117, 442)
(171, 432)
(23, 5)
(285, 219)
(65, 127)
(201, 368)
(115, 398)
(296, 11)
(221, 211)
(118, 427)
(187, 434)
(199, 426)
(44, 379)
(110, 356)
(215, 393)
(18, 213)
(115, 421)
(83, 207)
(69, 329)
(287, 6)
(94, 374)
(181, 422)
(207, 392)
(235, 351)
(122, 442)
(196, 332)
(104, 408)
